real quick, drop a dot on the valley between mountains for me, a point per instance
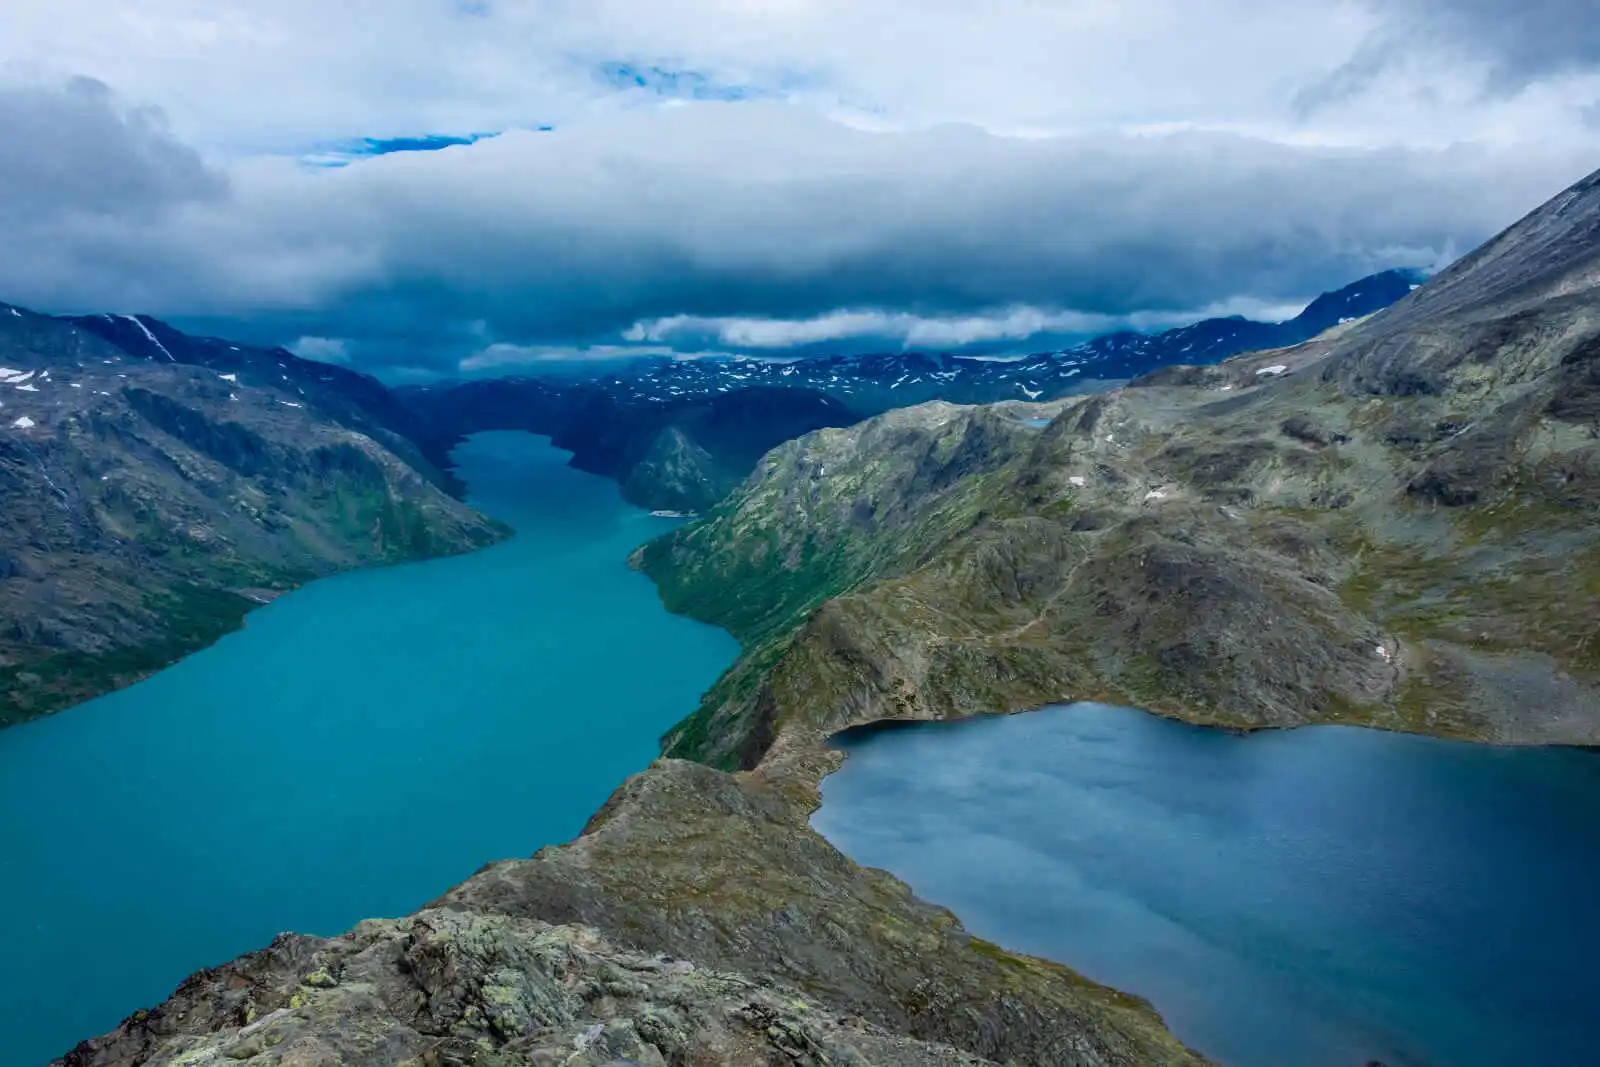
(1394, 523)
(158, 485)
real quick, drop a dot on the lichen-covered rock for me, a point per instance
(698, 922)
(452, 988)
(724, 870)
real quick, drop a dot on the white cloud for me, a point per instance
(765, 211)
(325, 349)
(501, 355)
(247, 75)
(910, 331)
(941, 172)
(939, 332)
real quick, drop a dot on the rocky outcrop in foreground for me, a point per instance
(697, 922)
(446, 987)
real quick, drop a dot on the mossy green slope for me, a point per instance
(148, 506)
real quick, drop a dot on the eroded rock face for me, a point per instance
(697, 922)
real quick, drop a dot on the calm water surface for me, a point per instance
(359, 747)
(1316, 898)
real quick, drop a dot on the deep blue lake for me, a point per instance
(1315, 898)
(359, 747)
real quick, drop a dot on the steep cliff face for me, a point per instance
(148, 504)
(1394, 524)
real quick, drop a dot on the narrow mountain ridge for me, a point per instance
(697, 921)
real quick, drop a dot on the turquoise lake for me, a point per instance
(1315, 898)
(1323, 897)
(359, 747)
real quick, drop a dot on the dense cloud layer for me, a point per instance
(71, 151)
(1504, 46)
(1522, 40)
(1179, 158)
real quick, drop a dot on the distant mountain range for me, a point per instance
(869, 384)
(686, 409)
(156, 485)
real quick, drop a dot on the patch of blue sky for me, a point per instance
(342, 153)
(675, 84)
(382, 146)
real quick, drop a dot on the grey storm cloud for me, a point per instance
(1521, 41)
(708, 212)
(71, 150)
(1524, 39)
(82, 179)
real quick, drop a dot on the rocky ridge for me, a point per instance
(682, 434)
(1394, 524)
(698, 922)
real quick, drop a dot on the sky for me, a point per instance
(435, 187)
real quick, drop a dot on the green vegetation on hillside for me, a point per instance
(149, 506)
(1397, 525)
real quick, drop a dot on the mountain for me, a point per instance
(1249, 543)
(353, 399)
(875, 383)
(157, 487)
(1395, 524)
(680, 434)
(88, 609)
(679, 454)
